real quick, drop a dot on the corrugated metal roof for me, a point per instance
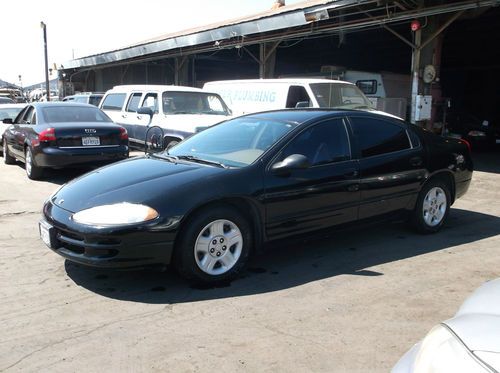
(281, 18)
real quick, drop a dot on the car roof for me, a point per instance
(156, 87)
(60, 103)
(280, 80)
(305, 114)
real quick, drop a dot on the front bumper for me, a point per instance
(61, 157)
(123, 247)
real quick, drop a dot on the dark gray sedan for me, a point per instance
(62, 134)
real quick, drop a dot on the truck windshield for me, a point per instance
(338, 95)
(193, 103)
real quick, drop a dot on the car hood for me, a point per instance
(144, 180)
(190, 122)
(477, 322)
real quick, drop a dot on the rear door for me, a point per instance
(391, 166)
(323, 195)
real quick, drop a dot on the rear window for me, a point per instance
(95, 100)
(58, 114)
(114, 101)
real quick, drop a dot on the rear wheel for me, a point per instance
(432, 208)
(32, 170)
(214, 246)
(7, 158)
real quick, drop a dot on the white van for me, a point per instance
(253, 95)
(179, 111)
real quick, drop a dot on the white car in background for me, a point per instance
(178, 111)
(9, 112)
(467, 343)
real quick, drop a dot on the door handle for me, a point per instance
(351, 173)
(416, 161)
(124, 115)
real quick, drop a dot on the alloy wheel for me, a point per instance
(218, 247)
(434, 206)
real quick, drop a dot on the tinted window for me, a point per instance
(323, 143)
(415, 140)
(133, 102)
(114, 101)
(27, 116)
(58, 114)
(376, 136)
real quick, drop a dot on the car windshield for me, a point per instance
(235, 143)
(58, 114)
(193, 103)
(9, 112)
(338, 95)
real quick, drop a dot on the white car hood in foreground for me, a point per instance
(476, 324)
(188, 122)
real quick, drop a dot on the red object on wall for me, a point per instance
(415, 25)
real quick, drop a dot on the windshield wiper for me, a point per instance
(168, 157)
(193, 158)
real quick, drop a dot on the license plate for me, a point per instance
(90, 141)
(45, 233)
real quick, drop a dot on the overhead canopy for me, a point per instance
(299, 20)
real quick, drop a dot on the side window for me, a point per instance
(415, 140)
(151, 101)
(368, 87)
(26, 119)
(114, 101)
(95, 100)
(325, 142)
(297, 95)
(81, 99)
(33, 118)
(377, 136)
(133, 102)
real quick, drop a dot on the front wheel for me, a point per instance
(214, 246)
(432, 208)
(32, 170)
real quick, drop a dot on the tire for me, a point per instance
(203, 254)
(432, 207)
(7, 158)
(32, 170)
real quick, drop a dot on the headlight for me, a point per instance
(476, 134)
(117, 214)
(442, 351)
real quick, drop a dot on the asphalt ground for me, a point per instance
(350, 302)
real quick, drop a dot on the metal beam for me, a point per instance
(453, 18)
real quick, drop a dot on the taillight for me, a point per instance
(466, 143)
(47, 135)
(123, 134)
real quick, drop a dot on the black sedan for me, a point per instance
(63, 134)
(206, 203)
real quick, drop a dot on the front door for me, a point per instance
(323, 195)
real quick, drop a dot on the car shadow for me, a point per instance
(293, 264)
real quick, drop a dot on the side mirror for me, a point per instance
(146, 111)
(7, 121)
(292, 162)
(302, 104)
